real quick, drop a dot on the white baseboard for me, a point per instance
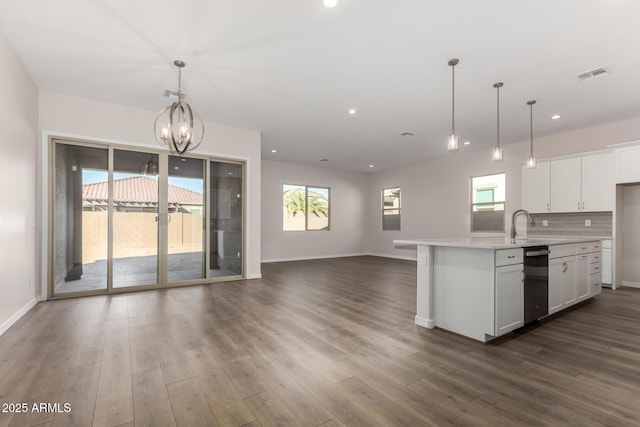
(254, 276)
(406, 258)
(308, 258)
(630, 284)
(13, 319)
(425, 323)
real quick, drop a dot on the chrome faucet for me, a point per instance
(513, 221)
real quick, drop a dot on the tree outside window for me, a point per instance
(305, 208)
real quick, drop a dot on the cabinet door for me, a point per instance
(582, 278)
(606, 267)
(626, 164)
(598, 183)
(565, 185)
(562, 282)
(535, 188)
(509, 298)
(556, 279)
(570, 280)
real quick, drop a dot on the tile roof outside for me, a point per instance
(139, 189)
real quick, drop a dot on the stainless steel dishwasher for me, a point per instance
(536, 283)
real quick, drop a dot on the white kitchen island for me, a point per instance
(474, 286)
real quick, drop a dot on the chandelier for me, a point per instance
(177, 125)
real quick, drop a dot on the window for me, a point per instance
(305, 208)
(391, 209)
(487, 203)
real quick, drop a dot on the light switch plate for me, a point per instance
(587, 223)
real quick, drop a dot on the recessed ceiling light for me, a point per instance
(556, 117)
(273, 151)
(370, 166)
(467, 143)
(330, 3)
(352, 111)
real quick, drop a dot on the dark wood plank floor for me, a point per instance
(314, 343)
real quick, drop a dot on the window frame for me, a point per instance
(306, 206)
(399, 208)
(489, 205)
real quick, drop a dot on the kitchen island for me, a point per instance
(475, 286)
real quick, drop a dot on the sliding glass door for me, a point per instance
(186, 214)
(79, 242)
(135, 219)
(124, 219)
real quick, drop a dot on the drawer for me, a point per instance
(595, 257)
(560, 251)
(595, 268)
(595, 246)
(595, 284)
(508, 257)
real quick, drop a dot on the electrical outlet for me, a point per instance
(422, 259)
(545, 223)
(587, 223)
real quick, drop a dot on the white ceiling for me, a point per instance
(292, 68)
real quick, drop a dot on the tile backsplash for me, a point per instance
(572, 224)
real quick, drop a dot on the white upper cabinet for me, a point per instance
(598, 184)
(566, 185)
(535, 188)
(573, 184)
(627, 160)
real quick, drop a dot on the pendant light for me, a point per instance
(531, 163)
(452, 144)
(177, 125)
(149, 168)
(497, 151)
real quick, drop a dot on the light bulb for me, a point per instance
(497, 154)
(164, 130)
(452, 144)
(531, 163)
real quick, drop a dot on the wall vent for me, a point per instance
(406, 134)
(589, 75)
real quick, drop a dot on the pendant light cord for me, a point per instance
(498, 115)
(453, 99)
(531, 128)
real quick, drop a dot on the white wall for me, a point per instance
(84, 118)
(18, 140)
(435, 194)
(347, 234)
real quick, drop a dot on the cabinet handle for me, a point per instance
(596, 268)
(578, 205)
(582, 205)
(547, 207)
(566, 267)
(511, 256)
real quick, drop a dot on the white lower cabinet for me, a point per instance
(575, 275)
(562, 282)
(509, 298)
(582, 278)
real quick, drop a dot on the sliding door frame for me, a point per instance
(162, 252)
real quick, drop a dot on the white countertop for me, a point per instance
(499, 242)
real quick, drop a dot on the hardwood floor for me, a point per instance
(314, 343)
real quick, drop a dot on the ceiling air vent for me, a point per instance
(589, 75)
(406, 134)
